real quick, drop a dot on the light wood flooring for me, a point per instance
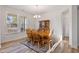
(17, 47)
(65, 48)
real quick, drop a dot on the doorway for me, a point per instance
(65, 27)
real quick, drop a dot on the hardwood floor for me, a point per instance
(65, 48)
(17, 47)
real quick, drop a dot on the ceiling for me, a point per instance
(33, 9)
(36, 9)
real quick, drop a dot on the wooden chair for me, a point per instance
(47, 39)
(29, 35)
(36, 38)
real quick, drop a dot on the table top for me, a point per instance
(41, 33)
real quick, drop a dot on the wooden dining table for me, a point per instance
(41, 34)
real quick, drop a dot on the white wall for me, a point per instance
(11, 36)
(74, 27)
(65, 21)
(78, 25)
(55, 23)
(55, 18)
(0, 27)
(36, 23)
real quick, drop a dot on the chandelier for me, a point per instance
(37, 16)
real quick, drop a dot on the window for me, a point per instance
(11, 23)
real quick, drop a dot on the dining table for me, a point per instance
(42, 36)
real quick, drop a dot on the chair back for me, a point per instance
(29, 33)
(51, 33)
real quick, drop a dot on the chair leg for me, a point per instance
(49, 45)
(31, 41)
(43, 42)
(38, 44)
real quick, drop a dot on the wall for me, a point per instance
(78, 25)
(11, 36)
(55, 18)
(74, 27)
(0, 27)
(36, 23)
(65, 20)
(57, 21)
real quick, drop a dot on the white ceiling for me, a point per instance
(33, 9)
(36, 9)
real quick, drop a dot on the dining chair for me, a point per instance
(36, 38)
(48, 39)
(29, 35)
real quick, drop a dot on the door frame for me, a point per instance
(65, 12)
